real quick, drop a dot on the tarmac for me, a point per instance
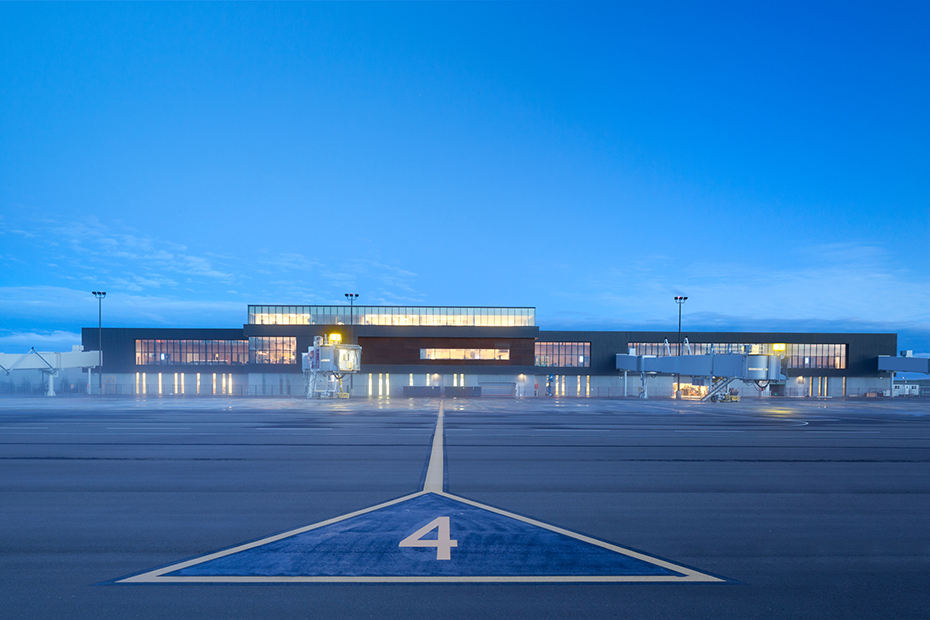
(792, 508)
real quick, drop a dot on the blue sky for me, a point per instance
(769, 161)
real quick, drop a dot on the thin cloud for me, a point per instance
(55, 340)
(289, 261)
(95, 249)
(314, 281)
(848, 283)
(27, 306)
(116, 258)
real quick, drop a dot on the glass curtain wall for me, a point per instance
(563, 354)
(796, 356)
(192, 352)
(392, 315)
(272, 350)
(465, 354)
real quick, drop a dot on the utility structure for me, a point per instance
(99, 295)
(326, 363)
(680, 301)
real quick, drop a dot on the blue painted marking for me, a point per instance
(489, 544)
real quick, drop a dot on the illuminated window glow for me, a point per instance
(465, 354)
(563, 354)
(392, 315)
(191, 352)
(796, 356)
(272, 350)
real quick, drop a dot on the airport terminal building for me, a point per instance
(467, 351)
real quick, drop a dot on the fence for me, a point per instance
(28, 388)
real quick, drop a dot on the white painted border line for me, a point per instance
(434, 471)
(689, 574)
(432, 484)
(156, 576)
(437, 579)
(686, 575)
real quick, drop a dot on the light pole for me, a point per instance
(99, 295)
(680, 301)
(351, 297)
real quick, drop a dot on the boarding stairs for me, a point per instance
(720, 386)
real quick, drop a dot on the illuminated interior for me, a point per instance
(392, 315)
(465, 354)
(191, 352)
(563, 354)
(272, 350)
(795, 355)
(690, 390)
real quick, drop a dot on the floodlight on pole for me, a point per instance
(351, 297)
(99, 295)
(680, 301)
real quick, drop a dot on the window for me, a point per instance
(816, 356)
(563, 354)
(795, 356)
(392, 315)
(191, 352)
(465, 354)
(272, 350)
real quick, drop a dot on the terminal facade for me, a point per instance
(420, 350)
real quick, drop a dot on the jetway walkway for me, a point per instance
(725, 368)
(888, 363)
(50, 363)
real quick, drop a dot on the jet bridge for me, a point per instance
(50, 363)
(889, 363)
(721, 370)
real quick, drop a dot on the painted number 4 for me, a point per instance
(442, 542)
